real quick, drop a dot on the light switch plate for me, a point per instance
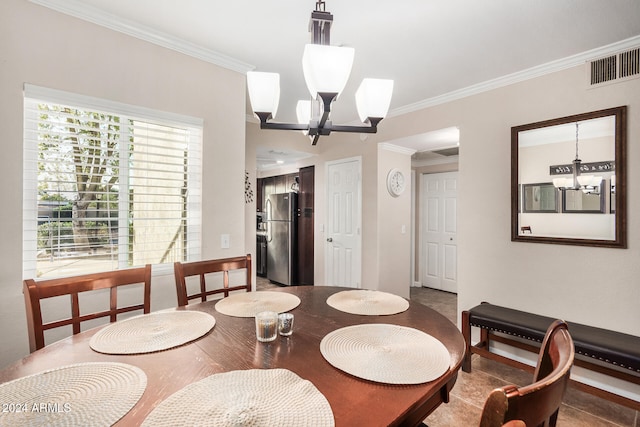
(225, 241)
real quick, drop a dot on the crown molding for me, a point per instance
(78, 9)
(88, 13)
(396, 148)
(520, 76)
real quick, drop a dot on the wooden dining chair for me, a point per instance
(37, 290)
(536, 404)
(208, 269)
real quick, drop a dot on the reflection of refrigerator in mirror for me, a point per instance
(281, 211)
(581, 201)
(612, 194)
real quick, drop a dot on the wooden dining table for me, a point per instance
(232, 345)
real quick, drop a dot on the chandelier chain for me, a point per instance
(577, 158)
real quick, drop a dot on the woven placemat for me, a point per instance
(85, 394)
(384, 353)
(368, 302)
(247, 304)
(256, 397)
(152, 332)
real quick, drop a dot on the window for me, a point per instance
(107, 185)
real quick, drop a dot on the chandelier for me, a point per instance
(326, 70)
(586, 183)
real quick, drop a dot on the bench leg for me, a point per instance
(484, 338)
(466, 333)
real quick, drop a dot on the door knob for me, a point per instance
(330, 240)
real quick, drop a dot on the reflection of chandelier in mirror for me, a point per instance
(326, 71)
(586, 183)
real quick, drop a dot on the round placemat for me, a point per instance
(384, 353)
(152, 332)
(255, 397)
(247, 304)
(85, 394)
(368, 302)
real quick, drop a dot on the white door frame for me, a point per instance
(357, 258)
(415, 237)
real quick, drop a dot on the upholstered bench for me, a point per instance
(604, 351)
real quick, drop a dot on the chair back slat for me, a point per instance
(76, 321)
(37, 290)
(183, 270)
(536, 404)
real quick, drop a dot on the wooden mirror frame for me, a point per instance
(620, 234)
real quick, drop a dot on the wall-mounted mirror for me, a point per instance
(577, 163)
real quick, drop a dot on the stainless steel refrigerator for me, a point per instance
(282, 215)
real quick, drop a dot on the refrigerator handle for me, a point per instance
(268, 208)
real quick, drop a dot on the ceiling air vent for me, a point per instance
(615, 67)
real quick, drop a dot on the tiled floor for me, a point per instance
(467, 397)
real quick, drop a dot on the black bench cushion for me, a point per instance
(510, 321)
(602, 344)
(610, 346)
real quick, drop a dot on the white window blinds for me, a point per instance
(107, 185)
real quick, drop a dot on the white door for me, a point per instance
(342, 234)
(439, 240)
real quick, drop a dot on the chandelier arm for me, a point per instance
(577, 158)
(283, 126)
(265, 124)
(325, 129)
(354, 129)
(322, 124)
(326, 98)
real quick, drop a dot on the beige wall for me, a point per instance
(48, 49)
(250, 207)
(594, 286)
(394, 225)
(545, 279)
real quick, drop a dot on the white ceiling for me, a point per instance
(586, 129)
(270, 158)
(429, 48)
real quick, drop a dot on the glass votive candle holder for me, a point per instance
(285, 324)
(266, 326)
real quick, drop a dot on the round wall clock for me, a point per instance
(395, 182)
